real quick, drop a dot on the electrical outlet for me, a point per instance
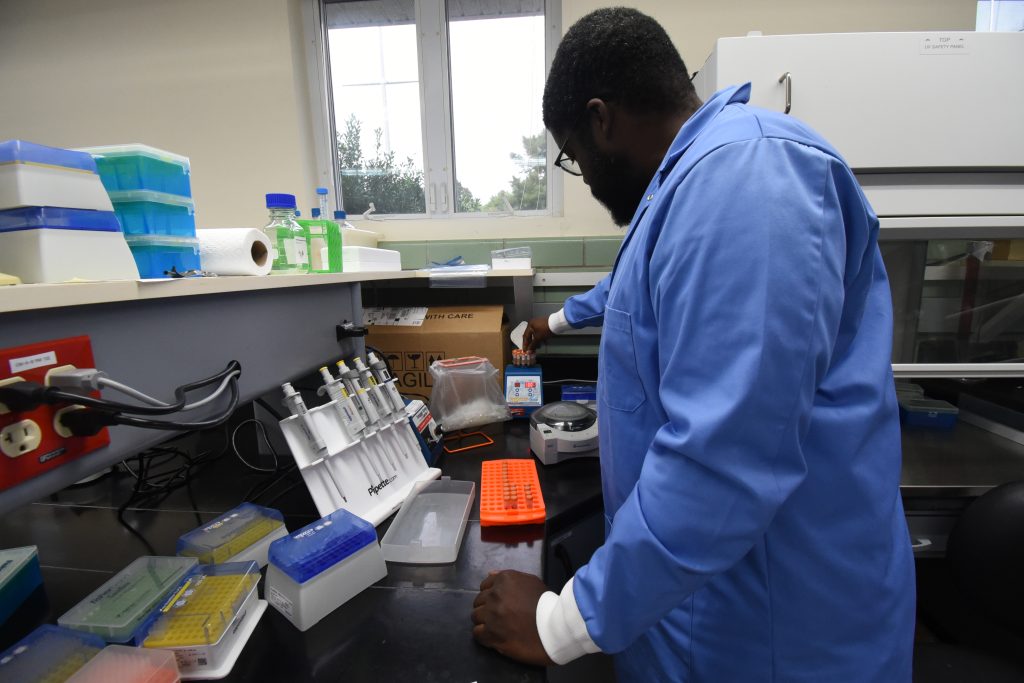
(20, 438)
(46, 445)
(4, 383)
(58, 426)
(56, 371)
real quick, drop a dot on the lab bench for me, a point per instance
(412, 625)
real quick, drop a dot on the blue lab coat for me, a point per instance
(750, 444)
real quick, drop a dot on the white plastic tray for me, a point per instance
(430, 526)
(36, 185)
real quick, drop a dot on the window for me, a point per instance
(437, 105)
(1000, 15)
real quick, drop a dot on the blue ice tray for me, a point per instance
(37, 217)
(321, 545)
(157, 255)
(140, 167)
(49, 653)
(19, 576)
(142, 212)
(21, 152)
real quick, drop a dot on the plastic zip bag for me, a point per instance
(466, 393)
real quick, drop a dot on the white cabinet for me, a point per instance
(889, 100)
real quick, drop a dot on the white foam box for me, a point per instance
(53, 255)
(318, 568)
(37, 185)
(369, 259)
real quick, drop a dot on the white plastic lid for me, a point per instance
(117, 608)
(125, 196)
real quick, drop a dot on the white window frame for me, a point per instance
(435, 111)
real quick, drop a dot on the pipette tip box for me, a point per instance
(49, 654)
(320, 567)
(122, 664)
(19, 577)
(121, 610)
(208, 619)
(243, 534)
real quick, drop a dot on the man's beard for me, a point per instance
(617, 185)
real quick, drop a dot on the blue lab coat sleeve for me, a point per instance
(744, 294)
(587, 309)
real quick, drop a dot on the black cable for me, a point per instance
(54, 395)
(270, 409)
(117, 418)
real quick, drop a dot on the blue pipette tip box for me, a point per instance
(19, 577)
(49, 653)
(318, 568)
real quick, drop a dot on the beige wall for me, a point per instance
(224, 82)
(694, 25)
(220, 81)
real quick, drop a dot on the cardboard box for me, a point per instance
(1008, 250)
(446, 332)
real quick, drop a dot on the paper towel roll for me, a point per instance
(235, 251)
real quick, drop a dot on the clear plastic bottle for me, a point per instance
(324, 244)
(288, 237)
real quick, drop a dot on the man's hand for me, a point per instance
(536, 332)
(505, 616)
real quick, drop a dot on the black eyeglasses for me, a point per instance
(563, 160)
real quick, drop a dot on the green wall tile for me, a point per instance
(474, 252)
(414, 254)
(552, 252)
(600, 251)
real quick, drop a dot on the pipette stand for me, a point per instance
(370, 476)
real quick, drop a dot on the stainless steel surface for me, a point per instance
(964, 462)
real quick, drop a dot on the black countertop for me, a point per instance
(412, 625)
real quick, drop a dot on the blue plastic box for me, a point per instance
(928, 413)
(49, 653)
(142, 212)
(141, 167)
(319, 546)
(19, 577)
(156, 256)
(579, 392)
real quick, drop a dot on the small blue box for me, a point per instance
(49, 653)
(19, 577)
(928, 413)
(579, 392)
(156, 256)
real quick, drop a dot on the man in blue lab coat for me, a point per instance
(750, 446)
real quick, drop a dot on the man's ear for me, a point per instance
(602, 120)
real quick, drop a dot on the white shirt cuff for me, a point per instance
(557, 322)
(563, 633)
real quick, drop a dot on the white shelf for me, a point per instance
(41, 296)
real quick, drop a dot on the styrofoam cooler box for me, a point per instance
(47, 244)
(37, 175)
(320, 567)
(369, 259)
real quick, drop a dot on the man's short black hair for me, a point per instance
(619, 55)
